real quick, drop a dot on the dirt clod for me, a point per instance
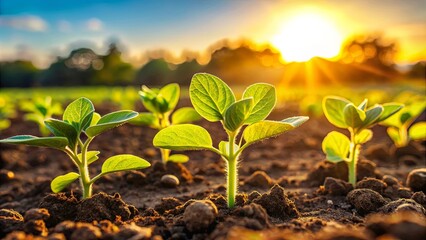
(277, 204)
(133, 231)
(390, 180)
(373, 184)
(337, 187)
(10, 220)
(61, 206)
(420, 198)
(169, 181)
(199, 215)
(416, 180)
(167, 204)
(365, 200)
(36, 227)
(37, 214)
(403, 205)
(254, 211)
(259, 179)
(102, 206)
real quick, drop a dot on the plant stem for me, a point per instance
(85, 181)
(403, 141)
(164, 123)
(353, 157)
(165, 153)
(232, 174)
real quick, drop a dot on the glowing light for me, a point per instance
(307, 35)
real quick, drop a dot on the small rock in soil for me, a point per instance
(365, 200)
(167, 204)
(133, 231)
(36, 227)
(420, 198)
(373, 184)
(416, 180)
(254, 211)
(10, 220)
(277, 204)
(6, 175)
(404, 192)
(259, 179)
(169, 181)
(403, 225)
(199, 215)
(403, 205)
(390, 180)
(37, 214)
(102, 206)
(337, 187)
(61, 206)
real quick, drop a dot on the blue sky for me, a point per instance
(42, 29)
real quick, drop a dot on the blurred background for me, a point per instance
(287, 43)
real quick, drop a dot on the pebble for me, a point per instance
(199, 215)
(416, 180)
(169, 181)
(365, 200)
(259, 179)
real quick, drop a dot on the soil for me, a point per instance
(287, 190)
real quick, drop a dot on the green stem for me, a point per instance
(86, 183)
(164, 123)
(232, 172)
(403, 141)
(165, 153)
(353, 157)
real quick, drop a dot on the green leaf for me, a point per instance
(62, 129)
(149, 99)
(95, 118)
(389, 109)
(183, 137)
(79, 113)
(210, 96)
(123, 162)
(170, 93)
(52, 142)
(224, 148)
(146, 119)
(91, 156)
(237, 113)
(363, 105)
(336, 146)
(394, 135)
(371, 116)
(264, 99)
(364, 136)
(178, 158)
(267, 129)
(185, 115)
(333, 110)
(354, 116)
(60, 182)
(418, 131)
(109, 121)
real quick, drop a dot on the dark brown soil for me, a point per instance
(287, 190)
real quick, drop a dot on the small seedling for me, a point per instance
(80, 117)
(7, 111)
(401, 128)
(161, 103)
(216, 102)
(357, 119)
(39, 110)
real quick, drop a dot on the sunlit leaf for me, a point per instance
(418, 131)
(236, 114)
(371, 115)
(364, 136)
(333, 110)
(185, 115)
(146, 119)
(62, 181)
(354, 116)
(224, 148)
(109, 121)
(389, 109)
(210, 96)
(178, 158)
(62, 129)
(124, 162)
(336, 146)
(183, 137)
(170, 93)
(52, 142)
(363, 105)
(264, 99)
(91, 156)
(79, 113)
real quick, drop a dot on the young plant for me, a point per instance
(7, 111)
(401, 128)
(357, 120)
(78, 118)
(216, 102)
(161, 103)
(39, 110)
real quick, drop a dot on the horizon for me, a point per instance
(40, 31)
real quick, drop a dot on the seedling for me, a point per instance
(7, 111)
(161, 103)
(80, 117)
(357, 119)
(39, 110)
(401, 128)
(216, 102)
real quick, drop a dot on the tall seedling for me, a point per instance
(357, 120)
(161, 103)
(216, 102)
(80, 118)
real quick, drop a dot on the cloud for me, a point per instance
(94, 24)
(64, 26)
(29, 23)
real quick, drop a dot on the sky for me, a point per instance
(41, 30)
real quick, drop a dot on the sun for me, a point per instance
(307, 35)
